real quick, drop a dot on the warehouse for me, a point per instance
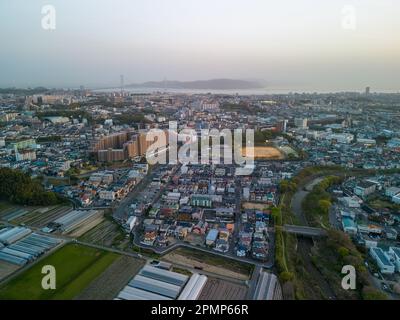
(75, 219)
(11, 235)
(130, 293)
(193, 288)
(155, 286)
(164, 275)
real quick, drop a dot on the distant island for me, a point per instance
(214, 84)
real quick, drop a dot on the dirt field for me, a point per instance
(105, 233)
(86, 227)
(253, 205)
(215, 266)
(110, 282)
(264, 153)
(6, 269)
(216, 289)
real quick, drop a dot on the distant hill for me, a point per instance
(214, 84)
(28, 91)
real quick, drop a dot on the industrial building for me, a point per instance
(21, 246)
(268, 287)
(193, 288)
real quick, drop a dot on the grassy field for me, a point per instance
(4, 205)
(76, 267)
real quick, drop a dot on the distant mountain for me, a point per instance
(214, 84)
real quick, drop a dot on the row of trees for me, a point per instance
(317, 203)
(328, 255)
(337, 251)
(129, 118)
(18, 187)
(69, 113)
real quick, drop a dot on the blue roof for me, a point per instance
(382, 257)
(212, 234)
(348, 223)
(396, 251)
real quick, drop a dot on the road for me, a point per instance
(122, 208)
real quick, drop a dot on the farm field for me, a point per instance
(209, 262)
(6, 269)
(9, 212)
(85, 227)
(76, 267)
(217, 289)
(106, 233)
(39, 218)
(110, 282)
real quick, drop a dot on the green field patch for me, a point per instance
(76, 267)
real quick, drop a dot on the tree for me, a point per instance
(286, 276)
(18, 187)
(370, 293)
(324, 206)
(344, 252)
(277, 215)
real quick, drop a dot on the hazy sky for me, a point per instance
(287, 43)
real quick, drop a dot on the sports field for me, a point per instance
(263, 153)
(76, 267)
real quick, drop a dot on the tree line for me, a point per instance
(18, 187)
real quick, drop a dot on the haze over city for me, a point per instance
(289, 45)
(199, 158)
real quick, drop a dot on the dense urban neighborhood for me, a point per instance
(322, 192)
